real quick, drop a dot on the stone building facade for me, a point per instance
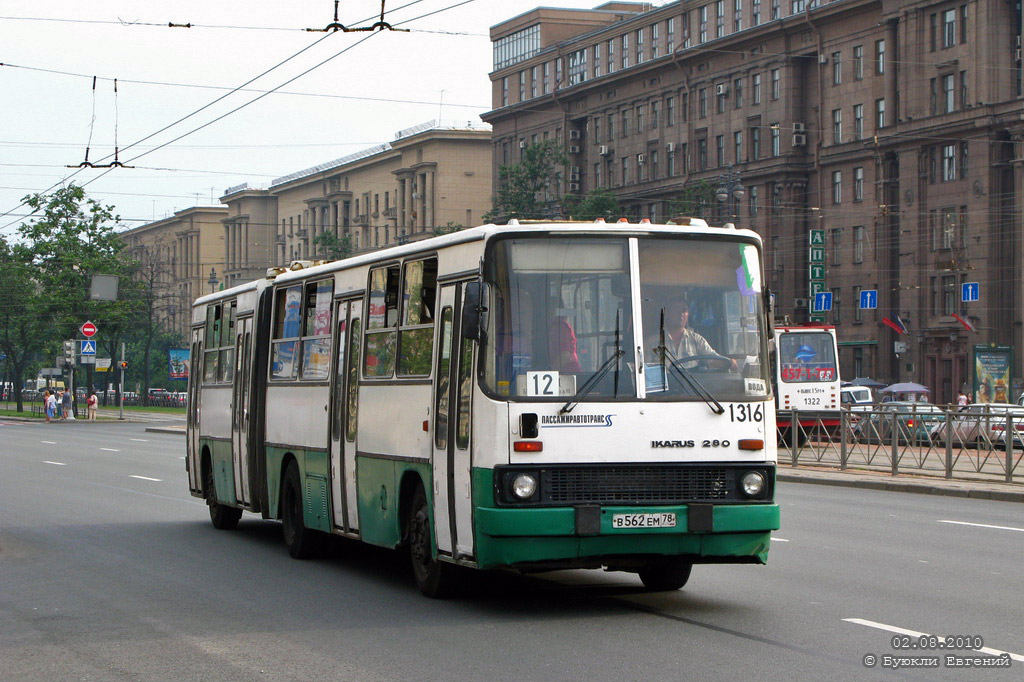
(890, 128)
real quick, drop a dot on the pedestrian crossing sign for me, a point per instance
(88, 347)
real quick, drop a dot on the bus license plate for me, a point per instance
(655, 520)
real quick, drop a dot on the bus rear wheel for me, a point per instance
(665, 574)
(302, 542)
(435, 579)
(222, 516)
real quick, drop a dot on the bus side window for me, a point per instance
(465, 393)
(227, 343)
(212, 343)
(316, 336)
(444, 363)
(382, 319)
(284, 361)
(416, 333)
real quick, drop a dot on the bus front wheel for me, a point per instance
(222, 516)
(302, 542)
(434, 578)
(665, 574)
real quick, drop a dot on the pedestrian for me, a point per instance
(48, 405)
(92, 402)
(961, 399)
(66, 405)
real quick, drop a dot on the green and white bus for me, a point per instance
(513, 397)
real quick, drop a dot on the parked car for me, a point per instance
(983, 425)
(916, 423)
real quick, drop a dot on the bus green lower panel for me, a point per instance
(223, 469)
(512, 536)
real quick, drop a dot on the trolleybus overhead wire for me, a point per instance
(335, 25)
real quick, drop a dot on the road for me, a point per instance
(109, 570)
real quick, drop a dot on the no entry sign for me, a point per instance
(88, 330)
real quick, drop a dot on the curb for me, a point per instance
(959, 488)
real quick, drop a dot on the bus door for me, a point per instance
(240, 408)
(195, 378)
(451, 414)
(344, 409)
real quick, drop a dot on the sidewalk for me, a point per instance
(875, 480)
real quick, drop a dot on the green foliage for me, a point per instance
(452, 226)
(332, 247)
(697, 200)
(24, 331)
(598, 203)
(529, 189)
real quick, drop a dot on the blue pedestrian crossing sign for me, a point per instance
(822, 302)
(970, 291)
(869, 299)
(88, 347)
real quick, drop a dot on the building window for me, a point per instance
(639, 46)
(948, 162)
(963, 159)
(964, 101)
(625, 170)
(737, 16)
(625, 50)
(639, 118)
(836, 250)
(670, 35)
(755, 143)
(720, 18)
(797, 6)
(611, 55)
(948, 103)
(670, 161)
(963, 23)
(597, 60)
(836, 301)
(880, 57)
(858, 244)
(879, 113)
(858, 314)
(837, 187)
(754, 202)
(858, 184)
(670, 111)
(776, 83)
(702, 36)
(737, 143)
(720, 98)
(776, 9)
(653, 154)
(702, 103)
(655, 114)
(949, 28)
(948, 294)
(755, 88)
(522, 86)
(655, 41)
(611, 127)
(625, 122)
(837, 126)
(720, 150)
(858, 121)
(516, 47)
(755, 13)
(702, 154)
(547, 77)
(858, 62)
(837, 68)
(737, 93)
(776, 139)
(504, 91)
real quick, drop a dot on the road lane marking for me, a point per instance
(109, 450)
(60, 464)
(983, 525)
(913, 633)
(48, 442)
(146, 478)
(140, 440)
(779, 540)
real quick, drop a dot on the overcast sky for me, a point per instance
(358, 99)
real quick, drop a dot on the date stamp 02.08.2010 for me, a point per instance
(932, 651)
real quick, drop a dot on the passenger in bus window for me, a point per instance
(681, 341)
(561, 340)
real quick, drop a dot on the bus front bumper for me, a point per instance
(723, 534)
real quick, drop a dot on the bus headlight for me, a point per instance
(752, 483)
(524, 486)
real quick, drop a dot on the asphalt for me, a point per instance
(859, 478)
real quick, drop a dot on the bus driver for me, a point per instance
(681, 341)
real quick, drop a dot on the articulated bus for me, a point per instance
(806, 379)
(503, 397)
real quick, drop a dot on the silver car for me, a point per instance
(983, 425)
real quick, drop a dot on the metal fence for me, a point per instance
(971, 443)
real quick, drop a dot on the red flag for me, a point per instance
(966, 323)
(899, 329)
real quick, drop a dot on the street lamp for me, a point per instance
(730, 187)
(213, 280)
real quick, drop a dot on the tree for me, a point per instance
(528, 189)
(24, 328)
(598, 203)
(697, 200)
(331, 246)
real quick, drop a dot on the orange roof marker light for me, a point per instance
(645, 221)
(622, 220)
(599, 220)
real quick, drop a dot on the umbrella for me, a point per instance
(864, 381)
(906, 387)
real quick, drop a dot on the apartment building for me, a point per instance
(878, 144)
(180, 257)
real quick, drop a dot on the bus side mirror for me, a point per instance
(474, 311)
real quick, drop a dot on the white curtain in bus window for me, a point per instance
(416, 335)
(316, 341)
(287, 325)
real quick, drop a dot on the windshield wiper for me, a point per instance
(697, 387)
(599, 374)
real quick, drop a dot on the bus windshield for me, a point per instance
(567, 314)
(807, 356)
